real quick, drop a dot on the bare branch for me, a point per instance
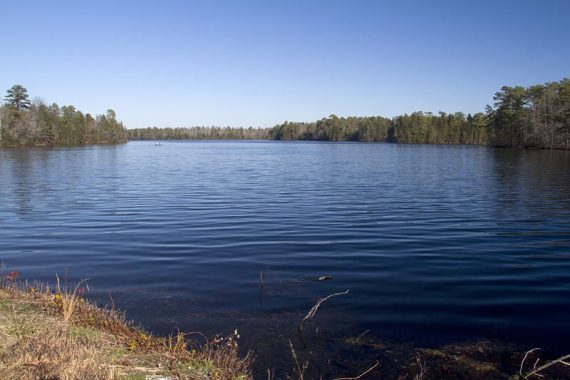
(524, 359)
(300, 371)
(422, 365)
(361, 335)
(361, 375)
(537, 371)
(314, 309)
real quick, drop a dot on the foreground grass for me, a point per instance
(54, 334)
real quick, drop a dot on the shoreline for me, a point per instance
(110, 144)
(53, 332)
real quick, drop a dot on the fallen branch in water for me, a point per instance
(361, 375)
(524, 359)
(536, 371)
(314, 309)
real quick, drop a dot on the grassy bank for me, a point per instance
(50, 333)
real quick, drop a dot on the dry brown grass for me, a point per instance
(66, 300)
(37, 345)
(50, 333)
(55, 354)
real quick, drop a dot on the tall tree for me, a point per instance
(17, 97)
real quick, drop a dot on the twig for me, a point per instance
(314, 309)
(525, 356)
(2, 268)
(361, 335)
(261, 284)
(112, 302)
(65, 278)
(422, 366)
(361, 375)
(300, 372)
(535, 372)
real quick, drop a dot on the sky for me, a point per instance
(259, 63)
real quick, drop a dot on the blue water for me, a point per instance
(437, 244)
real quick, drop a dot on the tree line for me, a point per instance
(525, 117)
(536, 116)
(415, 128)
(199, 133)
(26, 123)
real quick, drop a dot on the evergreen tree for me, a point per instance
(17, 97)
(26, 124)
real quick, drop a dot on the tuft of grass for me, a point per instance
(67, 301)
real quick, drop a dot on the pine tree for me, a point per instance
(17, 97)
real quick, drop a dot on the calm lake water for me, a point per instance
(437, 244)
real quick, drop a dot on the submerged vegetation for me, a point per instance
(26, 123)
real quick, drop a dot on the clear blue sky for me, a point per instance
(258, 63)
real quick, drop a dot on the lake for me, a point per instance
(437, 244)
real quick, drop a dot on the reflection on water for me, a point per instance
(437, 244)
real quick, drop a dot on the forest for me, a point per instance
(415, 128)
(533, 117)
(26, 123)
(537, 116)
(199, 133)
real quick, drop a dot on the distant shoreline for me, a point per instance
(348, 141)
(563, 148)
(533, 117)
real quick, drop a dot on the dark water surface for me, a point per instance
(437, 244)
